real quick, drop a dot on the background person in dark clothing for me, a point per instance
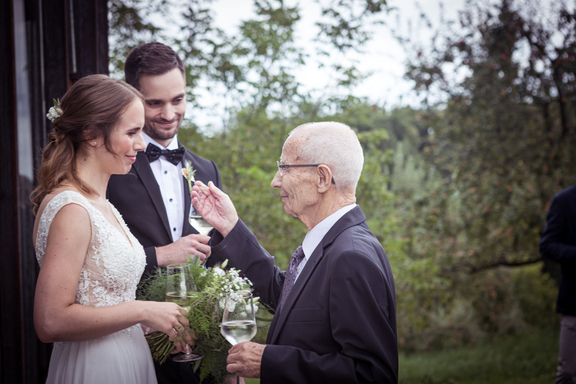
(559, 244)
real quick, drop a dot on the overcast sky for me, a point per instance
(384, 56)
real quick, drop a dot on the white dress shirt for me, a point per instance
(315, 236)
(171, 183)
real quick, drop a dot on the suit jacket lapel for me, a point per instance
(142, 168)
(303, 278)
(354, 217)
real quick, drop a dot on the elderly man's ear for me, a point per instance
(324, 178)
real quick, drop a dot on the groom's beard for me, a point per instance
(160, 129)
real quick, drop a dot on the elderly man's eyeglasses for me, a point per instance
(283, 167)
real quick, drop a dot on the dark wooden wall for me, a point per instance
(49, 44)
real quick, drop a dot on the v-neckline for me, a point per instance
(119, 223)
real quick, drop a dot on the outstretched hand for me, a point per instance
(214, 206)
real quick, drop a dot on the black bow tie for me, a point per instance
(172, 155)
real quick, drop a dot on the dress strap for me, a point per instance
(52, 208)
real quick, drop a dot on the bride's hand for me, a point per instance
(165, 317)
(215, 206)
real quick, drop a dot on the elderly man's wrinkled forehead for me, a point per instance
(294, 142)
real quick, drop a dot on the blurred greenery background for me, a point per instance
(456, 190)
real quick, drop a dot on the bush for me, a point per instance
(536, 295)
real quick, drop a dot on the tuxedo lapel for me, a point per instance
(142, 168)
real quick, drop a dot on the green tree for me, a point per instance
(501, 133)
(504, 138)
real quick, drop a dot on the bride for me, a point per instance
(90, 262)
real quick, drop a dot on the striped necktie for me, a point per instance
(291, 274)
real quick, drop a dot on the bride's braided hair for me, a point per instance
(88, 110)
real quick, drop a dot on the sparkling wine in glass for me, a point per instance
(179, 288)
(239, 320)
(198, 223)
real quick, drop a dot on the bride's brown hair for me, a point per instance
(88, 110)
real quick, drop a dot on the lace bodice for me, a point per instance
(113, 265)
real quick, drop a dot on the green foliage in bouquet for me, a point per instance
(205, 315)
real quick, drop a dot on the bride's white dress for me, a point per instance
(109, 276)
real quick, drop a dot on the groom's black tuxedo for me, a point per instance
(338, 325)
(137, 197)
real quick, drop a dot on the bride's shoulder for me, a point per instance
(63, 208)
(61, 197)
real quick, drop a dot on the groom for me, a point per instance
(335, 318)
(153, 198)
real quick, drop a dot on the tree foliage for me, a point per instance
(503, 139)
(500, 141)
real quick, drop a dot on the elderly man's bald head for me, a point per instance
(331, 143)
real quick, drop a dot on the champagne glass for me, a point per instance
(239, 320)
(198, 223)
(179, 288)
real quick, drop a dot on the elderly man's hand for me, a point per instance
(245, 359)
(215, 207)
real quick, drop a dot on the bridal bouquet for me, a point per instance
(205, 315)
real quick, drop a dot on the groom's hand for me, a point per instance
(191, 245)
(245, 359)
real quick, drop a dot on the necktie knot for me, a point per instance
(172, 155)
(298, 255)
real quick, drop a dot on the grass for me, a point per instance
(526, 358)
(518, 359)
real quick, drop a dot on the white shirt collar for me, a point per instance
(316, 234)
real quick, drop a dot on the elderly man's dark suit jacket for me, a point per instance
(338, 324)
(137, 197)
(558, 243)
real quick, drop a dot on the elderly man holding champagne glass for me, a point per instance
(335, 319)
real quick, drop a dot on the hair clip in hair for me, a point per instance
(54, 112)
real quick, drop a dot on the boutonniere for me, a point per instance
(188, 172)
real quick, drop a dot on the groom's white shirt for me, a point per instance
(170, 180)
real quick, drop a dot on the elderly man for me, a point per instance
(335, 319)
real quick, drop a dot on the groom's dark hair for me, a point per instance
(150, 59)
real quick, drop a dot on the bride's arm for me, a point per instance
(58, 318)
